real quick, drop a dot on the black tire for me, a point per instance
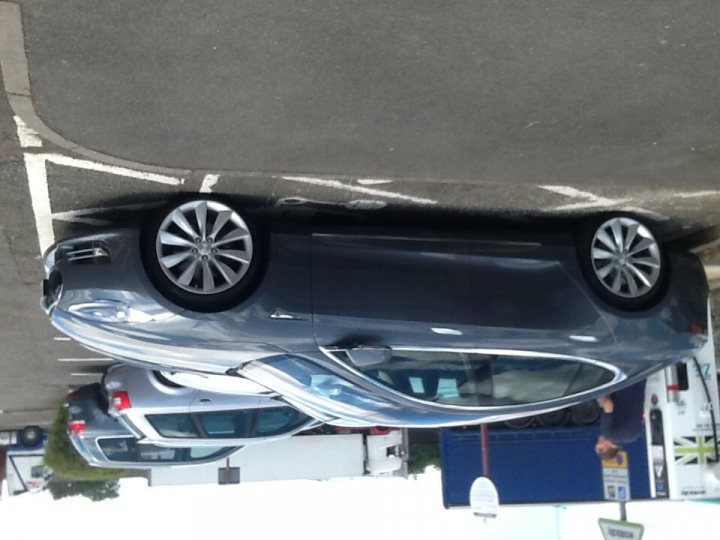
(552, 418)
(520, 423)
(646, 300)
(586, 413)
(30, 436)
(206, 303)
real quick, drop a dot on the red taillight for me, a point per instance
(76, 427)
(695, 329)
(120, 401)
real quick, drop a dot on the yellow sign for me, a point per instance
(618, 462)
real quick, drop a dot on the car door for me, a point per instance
(384, 290)
(524, 296)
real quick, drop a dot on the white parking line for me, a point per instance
(78, 374)
(208, 182)
(113, 169)
(358, 189)
(61, 338)
(85, 359)
(40, 199)
(28, 136)
(590, 200)
(79, 216)
(372, 181)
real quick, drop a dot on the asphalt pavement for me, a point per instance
(465, 112)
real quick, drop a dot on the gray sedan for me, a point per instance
(392, 327)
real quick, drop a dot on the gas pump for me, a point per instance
(682, 427)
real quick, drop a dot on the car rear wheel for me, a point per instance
(30, 436)
(623, 261)
(202, 254)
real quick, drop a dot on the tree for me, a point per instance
(95, 490)
(64, 461)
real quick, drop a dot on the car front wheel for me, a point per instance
(202, 254)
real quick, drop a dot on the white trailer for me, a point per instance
(305, 457)
(682, 427)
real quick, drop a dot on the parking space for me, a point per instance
(53, 187)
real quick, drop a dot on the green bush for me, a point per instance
(422, 454)
(64, 461)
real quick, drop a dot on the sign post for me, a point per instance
(616, 481)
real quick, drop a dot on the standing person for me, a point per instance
(622, 419)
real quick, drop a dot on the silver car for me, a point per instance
(161, 412)
(104, 442)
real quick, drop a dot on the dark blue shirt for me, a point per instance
(625, 423)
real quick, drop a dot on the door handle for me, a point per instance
(205, 400)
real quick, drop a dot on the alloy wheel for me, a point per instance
(626, 257)
(204, 247)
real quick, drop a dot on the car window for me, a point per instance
(278, 420)
(127, 449)
(227, 424)
(482, 380)
(174, 425)
(207, 452)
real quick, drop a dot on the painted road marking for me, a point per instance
(85, 359)
(79, 216)
(590, 199)
(358, 189)
(208, 182)
(372, 181)
(79, 374)
(40, 199)
(61, 338)
(86, 164)
(28, 137)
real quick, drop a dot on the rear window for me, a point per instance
(278, 420)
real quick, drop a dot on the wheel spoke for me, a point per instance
(208, 281)
(188, 274)
(234, 236)
(603, 236)
(235, 255)
(604, 271)
(617, 282)
(631, 233)
(640, 274)
(222, 218)
(645, 261)
(632, 286)
(201, 217)
(642, 245)
(225, 271)
(181, 221)
(170, 239)
(616, 228)
(598, 253)
(176, 258)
